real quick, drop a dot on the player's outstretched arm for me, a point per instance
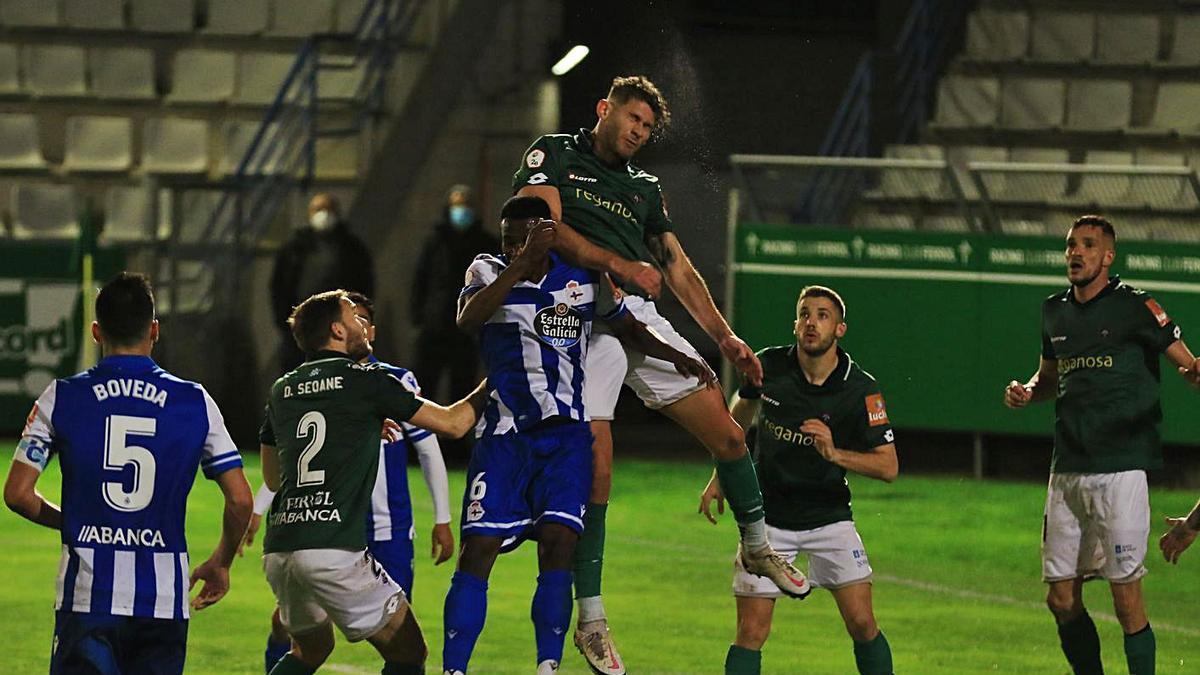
(1181, 535)
(214, 572)
(1188, 364)
(1043, 386)
(687, 285)
(454, 420)
(583, 253)
(433, 469)
(633, 334)
(22, 497)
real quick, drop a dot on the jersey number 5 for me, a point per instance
(118, 454)
(312, 427)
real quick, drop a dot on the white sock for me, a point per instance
(590, 609)
(754, 535)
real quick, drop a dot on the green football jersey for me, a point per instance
(324, 418)
(613, 207)
(801, 490)
(1107, 412)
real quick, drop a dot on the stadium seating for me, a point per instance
(202, 76)
(1032, 103)
(968, 101)
(94, 14)
(1032, 187)
(20, 142)
(162, 16)
(54, 70)
(259, 76)
(237, 17)
(10, 80)
(998, 33)
(128, 215)
(122, 73)
(1099, 104)
(1062, 35)
(298, 18)
(1186, 46)
(30, 13)
(44, 211)
(98, 144)
(174, 145)
(1176, 106)
(1127, 38)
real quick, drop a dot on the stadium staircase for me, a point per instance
(1011, 117)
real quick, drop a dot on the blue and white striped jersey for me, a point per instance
(534, 345)
(129, 437)
(390, 516)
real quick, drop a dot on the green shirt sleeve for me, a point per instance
(266, 433)
(539, 166)
(658, 220)
(1156, 330)
(877, 428)
(393, 398)
(1047, 345)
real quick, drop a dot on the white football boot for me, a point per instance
(765, 562)
(595, 643)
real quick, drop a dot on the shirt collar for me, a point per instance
(1113, 282)
(322, 354)
(132, 363)
(841, 372)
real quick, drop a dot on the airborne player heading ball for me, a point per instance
(819, 415)
(1101, 341)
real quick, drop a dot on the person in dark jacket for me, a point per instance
(441, 347)
(321, 256)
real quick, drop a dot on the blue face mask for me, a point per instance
(461, 216)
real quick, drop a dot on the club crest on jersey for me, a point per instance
(573, 292)
(474, 511)
(1160, 314)
(535, 158)
(876, 410)
(559, 325)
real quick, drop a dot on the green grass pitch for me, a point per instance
(957, 586)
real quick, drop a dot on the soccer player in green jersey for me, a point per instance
(320, 453)
(1101, 341)
(818, 415)
(1181, 535)
(612, 218)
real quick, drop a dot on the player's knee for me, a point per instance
(862, 628)
(556, 547)
(477, 556)
(313, 648)
(1063, 605)
(732, 444)
(752, 632)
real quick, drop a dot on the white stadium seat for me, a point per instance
(960, 156)
(1032, 103)
(1062, 36)
(95, 143)
(1028, 187)
(1105, 190)
(10, 69)
(162, 16)
(1099, 105)
(967, 101)
(339, 85)
(1126, 38)
(1022, 227)
(1186, 47)
(202, 76)
(997, 33)
(942, 223)
(911, 182)
(20, 142)
(44, 212)
(30, 13)
(122, 73)
(54, 70)
(301, 18)
(337, 158)
(1176, 106)
(237, 17)
(259, 76)
(870, 219)
(94, 14)
(128, 214)
(174, 145)
(1161, 192)
(236, 138)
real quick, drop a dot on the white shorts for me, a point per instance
(836, 558)
(1096, 524)
(609, 365)
(314, 586)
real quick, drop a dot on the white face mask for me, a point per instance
(323, 220)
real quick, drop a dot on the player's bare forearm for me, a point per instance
(1185, 362)
(879, 462)
(687, 285)
(239, 505)
(454, 420)
(270, 466)
(475, 310)
(744, 411)
(22, 497)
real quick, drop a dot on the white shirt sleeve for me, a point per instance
(219, 453)
(429, 454)
(481, 273)
(262, 500)
(37, 440)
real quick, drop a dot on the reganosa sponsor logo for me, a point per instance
(1070, 363)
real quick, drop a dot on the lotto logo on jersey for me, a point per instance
(876, 410)
(559, 326)
(535, 158)
(1160, 314)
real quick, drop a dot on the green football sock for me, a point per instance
(742, 661)
(740, 485)
(589, 552)
(1139, 651)
(1081, 645)
(290, 665)
(874, 657)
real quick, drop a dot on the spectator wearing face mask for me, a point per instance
(322, 255)
(441, 347)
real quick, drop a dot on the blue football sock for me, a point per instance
(551, 613)
(463, 616)
(274, 652)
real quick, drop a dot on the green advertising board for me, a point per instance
(945, 321)
(41, 323)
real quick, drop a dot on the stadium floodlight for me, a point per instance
(569, 60)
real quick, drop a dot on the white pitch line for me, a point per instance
(963, 593)
(344, 668)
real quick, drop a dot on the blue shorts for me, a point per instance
(396, 556)
(100, 643)
(518, 481)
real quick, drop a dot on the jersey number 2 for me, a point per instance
(312, 427)
(118, 454)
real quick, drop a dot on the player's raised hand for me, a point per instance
(642, 275)
(689, 367)
(1176, 540)
(251, 530)
(1017, 395)
(216, 583)
(443, 543)
(538, 241)
(391, 430)
(822, 438)
(712, 492)
(742, 357)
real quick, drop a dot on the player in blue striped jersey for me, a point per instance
(390, 528)
(531, 469)
(129, 437)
